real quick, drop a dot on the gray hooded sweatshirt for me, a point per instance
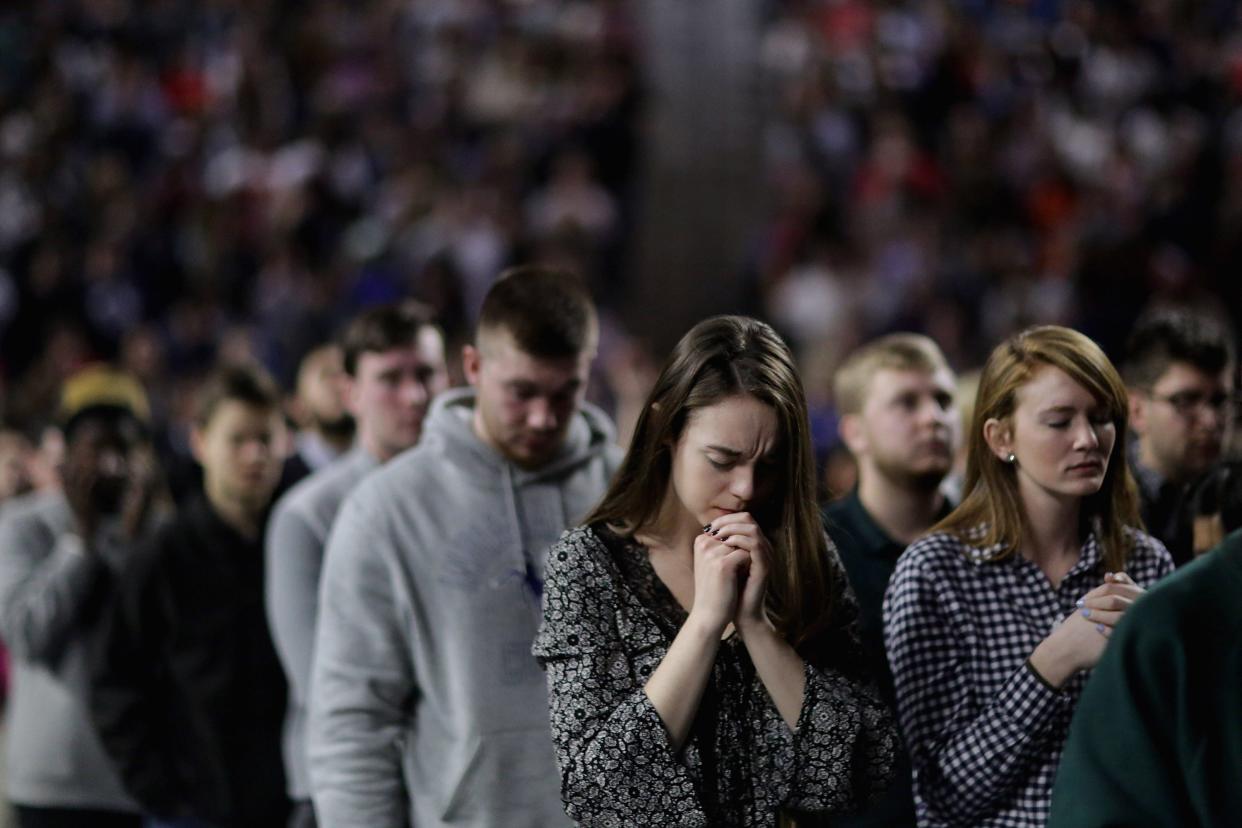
(297, 533)
(426, 705)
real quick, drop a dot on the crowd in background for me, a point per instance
(184, 181)
(188, 183)
(969, 168)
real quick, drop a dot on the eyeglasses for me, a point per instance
(1189, 403)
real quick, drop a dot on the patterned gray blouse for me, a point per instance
(608, 622)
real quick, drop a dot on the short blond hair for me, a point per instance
(896, 352)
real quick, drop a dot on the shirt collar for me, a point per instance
(1089, 556)
(1149, 480)
(873, 538)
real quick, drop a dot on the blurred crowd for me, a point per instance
(186, 181)
(190, 184)
(966, 169)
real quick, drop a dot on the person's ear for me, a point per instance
(852, 433)
(347, 387)
(998, 434)
(1138, 411)
(198, 442)
(471, 363)
(282, 439)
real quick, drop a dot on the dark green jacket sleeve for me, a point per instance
(1157, 737)
(1119, 767)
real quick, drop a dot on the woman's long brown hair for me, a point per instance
(720, 358)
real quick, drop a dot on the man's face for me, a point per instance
(391, 390)
(1181, 421)
(524, 403)
(100, 455)
(908, 428)
(241, 449)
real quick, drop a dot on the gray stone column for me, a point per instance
(701, 189)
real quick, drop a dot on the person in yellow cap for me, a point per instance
(59, 555)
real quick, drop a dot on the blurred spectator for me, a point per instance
(1178, 369)
(573, 197)
(60, 552)
(393, 365)
(16, 456)
(18, 475)
(188, 695)
(1217, 505)
(964, 400)
(47, 460)
(840, 472)
(325, 426)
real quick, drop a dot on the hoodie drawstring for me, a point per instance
(522, 566)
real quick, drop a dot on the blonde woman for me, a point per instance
(993, 618)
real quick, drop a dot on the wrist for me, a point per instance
(754, 627)
(1051, 665)
(704, 628)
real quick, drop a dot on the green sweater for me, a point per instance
(1157, 737)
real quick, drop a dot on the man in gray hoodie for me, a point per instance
(426, 706)
(393, 366)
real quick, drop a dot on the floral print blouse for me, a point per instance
(608, 622)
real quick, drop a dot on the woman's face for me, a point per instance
(1060, 435)
(725, 460)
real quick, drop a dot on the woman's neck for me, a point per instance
(672, 530)
(1050, 533)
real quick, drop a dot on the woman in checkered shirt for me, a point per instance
(992, 620)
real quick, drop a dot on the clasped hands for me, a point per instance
(731, 560)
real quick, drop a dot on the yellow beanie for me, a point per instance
(102, 386)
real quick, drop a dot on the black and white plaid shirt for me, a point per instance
(984, 731)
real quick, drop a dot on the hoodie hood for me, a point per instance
(451, 419)
(536, 504)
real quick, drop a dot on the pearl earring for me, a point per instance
(1012, 458)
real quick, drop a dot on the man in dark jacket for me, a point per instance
(189, 696)
(1178, 369)
(898, 419)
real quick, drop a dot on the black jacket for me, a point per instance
(188, 694)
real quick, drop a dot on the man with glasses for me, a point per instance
(1179, 370)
